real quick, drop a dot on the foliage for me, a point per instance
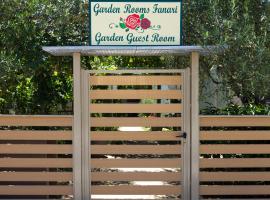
(34, 82)
(243, 26)
(232, 109)
(16, 89)
(23, 93)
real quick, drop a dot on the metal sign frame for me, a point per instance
(130, 1)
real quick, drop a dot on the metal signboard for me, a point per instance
(135, 23)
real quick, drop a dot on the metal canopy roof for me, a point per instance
(132, 50)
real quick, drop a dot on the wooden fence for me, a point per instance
(235, 157)
(36, 157)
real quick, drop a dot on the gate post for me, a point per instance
(86, 167)
(77, 129)
(195, 127)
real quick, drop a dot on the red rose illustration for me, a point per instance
(133, 21)
(145, 23)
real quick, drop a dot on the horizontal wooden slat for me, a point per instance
(234, 135)
(135, 108)
(235, 163)
(136, 94)
(35, 176)
(35, 120)
(234, 176)
(136, 190)
(36, 190)
(135, 136)
(235, 149)
(35, 135)
(136, 71)
(135, 163)
(235, 121)
(136, 149)
(235, 190)
(131, 198)
(135, 121)
(36, 162)
(135, 176)
(234, 199)
(135, 80)
(35, 149)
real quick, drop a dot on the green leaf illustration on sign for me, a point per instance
(142, 16)
(123, 25)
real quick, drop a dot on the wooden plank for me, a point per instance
(135, 94)
(135, 199)
(235, 190)
(35, 135)
(135, 80)
(36, 190)
(135, 190)
(235, 163)
(235, 121)
(235, 149)
(135, 108)
(135, 136)
(136, 149)
(223, 199)
(36, 162)
(234, 135)
(234, 176)
(136, 71)
(136, 163)
(35, 120)
(35, 149)
(136, 121)
(36, 176)
(136, 176)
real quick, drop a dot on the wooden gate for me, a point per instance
(135, 143)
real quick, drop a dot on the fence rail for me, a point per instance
(36, 156)
(235, 157)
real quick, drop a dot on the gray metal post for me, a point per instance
(195, 127)
(77, 157)
(86, 179)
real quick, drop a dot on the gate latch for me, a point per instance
(183, 135)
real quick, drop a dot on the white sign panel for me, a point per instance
(137, 23)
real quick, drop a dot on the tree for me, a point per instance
(241, 25)
(37, 23)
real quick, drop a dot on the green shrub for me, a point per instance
(231, 109)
